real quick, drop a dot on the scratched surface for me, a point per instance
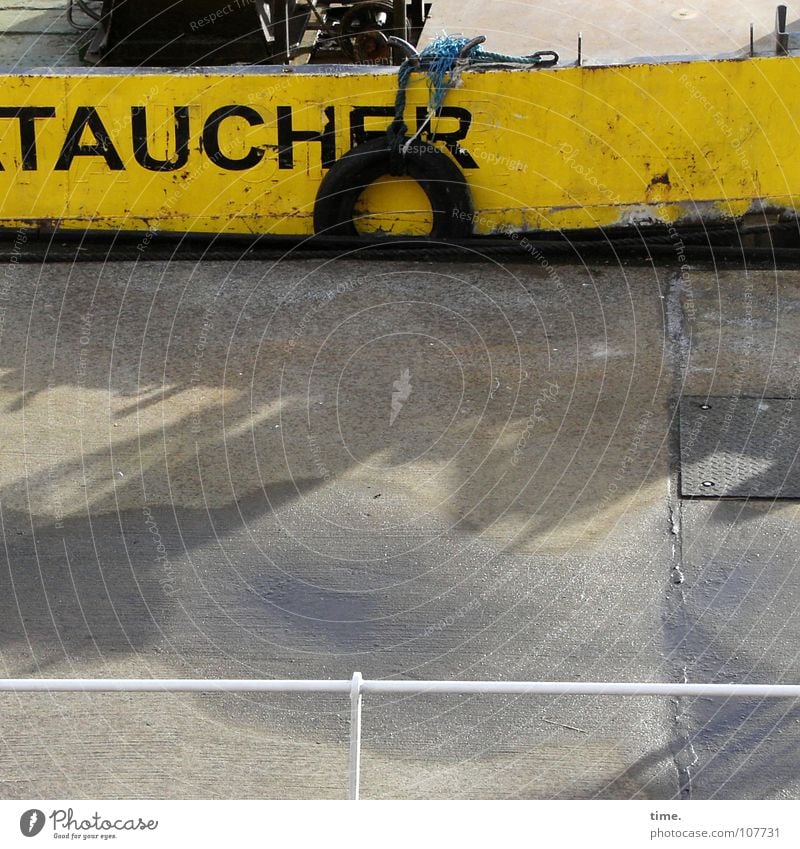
(428, 471)
(737, 336)
(242, 419)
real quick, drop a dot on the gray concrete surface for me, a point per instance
(37, 34)
(738, 603)
(513, 514)
(613, 31)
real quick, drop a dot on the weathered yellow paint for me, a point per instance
(394, 206)
(559, 148)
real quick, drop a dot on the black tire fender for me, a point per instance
(438, 176)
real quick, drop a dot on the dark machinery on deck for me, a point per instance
(182, 33)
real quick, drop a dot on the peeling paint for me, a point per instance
(630, 163)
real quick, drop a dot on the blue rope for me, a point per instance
(439, 61)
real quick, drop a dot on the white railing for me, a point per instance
(356, 688)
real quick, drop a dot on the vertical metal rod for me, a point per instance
(354, 763)
(399, 28)
(580, 49)
(781, 36)
(287, 34)
(417, 14)
(752, 43)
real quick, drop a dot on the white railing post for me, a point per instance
(354, 763)
(358, 687)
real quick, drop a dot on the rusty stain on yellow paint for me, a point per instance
(245, 151)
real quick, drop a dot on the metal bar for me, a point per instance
(572, 688)
(357, 687)
(165, 685)
(464, 688)
(354, 762)
(781, 35)
(287, 34)
(399, 16)
(399, 28)
(417, 13)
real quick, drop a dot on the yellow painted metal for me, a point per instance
(558, 148)
(394, 206)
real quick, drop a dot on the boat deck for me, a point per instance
(618, 32)
(37, 33)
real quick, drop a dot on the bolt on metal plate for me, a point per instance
(740, 447)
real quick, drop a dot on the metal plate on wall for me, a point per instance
(740, 447)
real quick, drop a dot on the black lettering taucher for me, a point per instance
(91, 134)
